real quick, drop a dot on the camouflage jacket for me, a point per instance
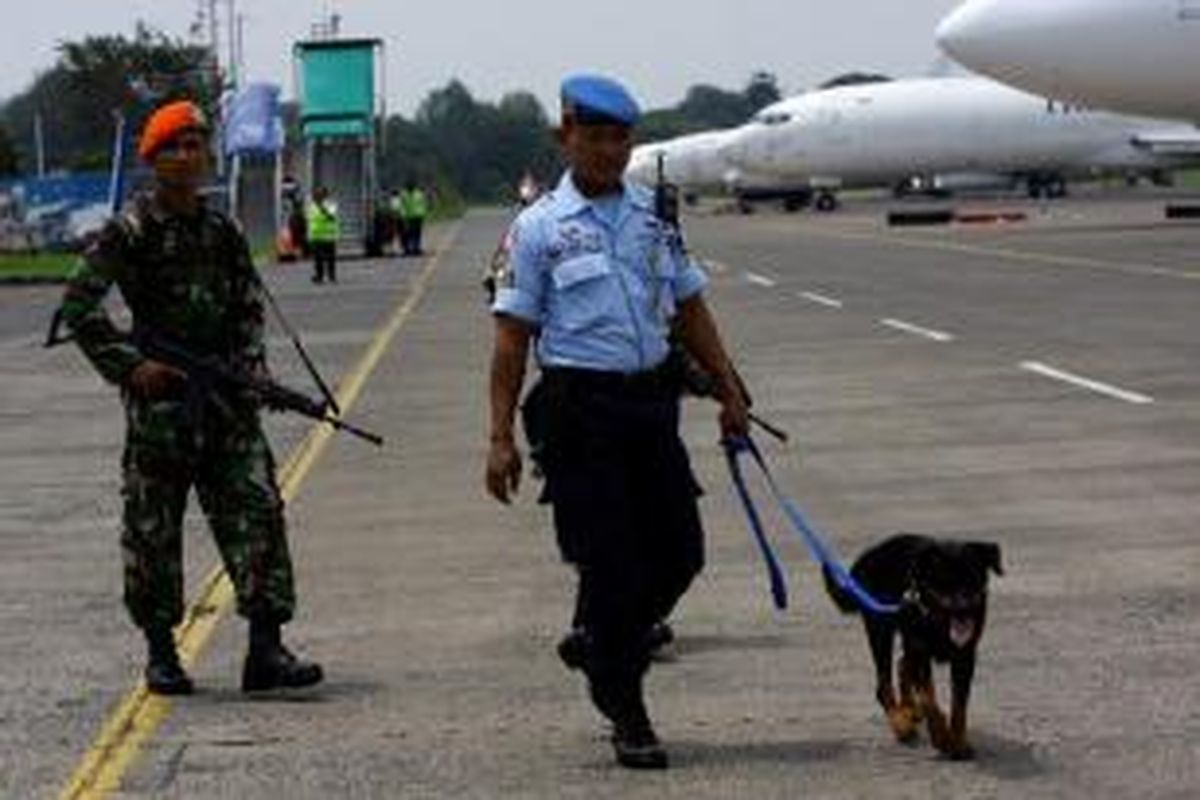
(190, 278)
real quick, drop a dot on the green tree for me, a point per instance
(664, 123)
(481, 150)
(854, 79)
(706, 107)
(710, 107)
(761, 91)
(526, 141)
(98, 75)
(8, 155)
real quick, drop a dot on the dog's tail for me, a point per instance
(841, 598)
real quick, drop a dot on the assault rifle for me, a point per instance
(217, 380)
(699, 382)
(693, 378)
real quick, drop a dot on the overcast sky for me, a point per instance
(659, 47)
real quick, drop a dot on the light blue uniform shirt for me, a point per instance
(601, 283)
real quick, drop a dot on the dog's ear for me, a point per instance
(986, 555)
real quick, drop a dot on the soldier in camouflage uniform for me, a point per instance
(185, 273)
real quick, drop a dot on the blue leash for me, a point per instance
(820, 551)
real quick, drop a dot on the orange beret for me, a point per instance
(168, 122)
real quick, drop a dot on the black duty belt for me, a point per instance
(659, 379)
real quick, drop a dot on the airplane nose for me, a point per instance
(996, 36)
(966, 33)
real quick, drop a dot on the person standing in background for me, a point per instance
(414, 208)
(324, 229)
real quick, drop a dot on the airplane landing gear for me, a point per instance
(826, 202)
(1049, 187)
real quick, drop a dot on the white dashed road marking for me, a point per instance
(917, 330)
(820, 299)
(1086, 383)
(760, 280)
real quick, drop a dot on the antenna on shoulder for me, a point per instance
(666, 195)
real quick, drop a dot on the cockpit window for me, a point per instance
(773, 117)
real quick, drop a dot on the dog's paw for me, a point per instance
(958, 751)
(904, 725)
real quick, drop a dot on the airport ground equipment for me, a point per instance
(339, 83)
(1183, 211)
(920, 216)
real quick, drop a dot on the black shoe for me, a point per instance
(270, 665)
(163, 673)
(168, 679)
(278, 668)
(637, 747)
(572, 648)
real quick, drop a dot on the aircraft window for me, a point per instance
(774, 118)
(1057, 107)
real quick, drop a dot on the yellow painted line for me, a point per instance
(1014, 255)
(140, 713)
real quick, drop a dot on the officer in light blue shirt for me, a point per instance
(597, 283)
(600, 277)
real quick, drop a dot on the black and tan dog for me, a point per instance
(941, 587)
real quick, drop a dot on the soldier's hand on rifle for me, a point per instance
(256, 395)
(151, 379)
(503, 469)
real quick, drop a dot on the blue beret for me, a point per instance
(597, 99)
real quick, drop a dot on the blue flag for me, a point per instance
(252, 121)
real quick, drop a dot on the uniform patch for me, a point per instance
(573, 240)
(501, 267)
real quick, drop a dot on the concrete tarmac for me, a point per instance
(1032, 384)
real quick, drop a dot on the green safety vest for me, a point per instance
(323, 223)
(413, 204)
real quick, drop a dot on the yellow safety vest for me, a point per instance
(323, 223)
(413, 204)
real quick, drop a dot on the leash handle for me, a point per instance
(820, 551)
(774, 569)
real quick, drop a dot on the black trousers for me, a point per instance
(624, 501)
(410, 235)
(324, 261)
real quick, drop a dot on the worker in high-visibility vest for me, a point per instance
(413, 209)
(324, 228)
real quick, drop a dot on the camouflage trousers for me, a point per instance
(227, 459)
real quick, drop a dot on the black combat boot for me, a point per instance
(617, 694)
(638, 747)
(270, 665)
(164, 675)
(634, 741)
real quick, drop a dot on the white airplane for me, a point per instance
(1136, 56)
(882, 134)
(696, 162)
(691, 162)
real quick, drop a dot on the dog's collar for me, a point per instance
(912, 599)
